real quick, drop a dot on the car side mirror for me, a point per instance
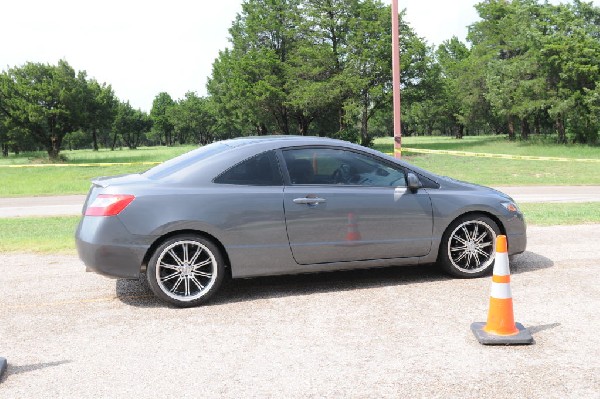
(413, 182)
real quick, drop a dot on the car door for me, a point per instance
(342, 205)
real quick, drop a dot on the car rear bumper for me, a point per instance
(107, 248)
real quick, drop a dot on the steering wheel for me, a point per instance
(343, 174)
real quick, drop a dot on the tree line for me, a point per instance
(323, 67)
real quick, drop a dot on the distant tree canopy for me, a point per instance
(323, 67)
(309, 67)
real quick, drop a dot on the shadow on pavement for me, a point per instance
(308, 284)
(137, 292)
(14, 370)
(529, 262)
(537, 329)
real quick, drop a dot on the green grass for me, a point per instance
(498, 172)
(561, 213)
(56, 234)
(15, 182)
(51, 234)
(492, 145)
(19, 182)
(22, 182)
(142, 154)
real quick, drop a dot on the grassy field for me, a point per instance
(15, 182)
(142, 154)
(55, 234)
(51, 234)
(60, 180)
(492, 145)
(499, 172)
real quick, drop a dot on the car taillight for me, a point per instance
(108, 204)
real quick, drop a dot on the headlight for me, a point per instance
(511, 207)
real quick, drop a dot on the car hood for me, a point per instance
(459, 184)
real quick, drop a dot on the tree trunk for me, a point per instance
(303, 124)
(95, 139)
(261, 129)
(342, 119)
(53, 147)
(114, 142)
(560, 127)
(525, 129)
(4, 150)
(365, 140)
(459, 131)
(511, 129)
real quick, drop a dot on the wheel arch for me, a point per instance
(174, 233)
(474, 213)
(468, 213)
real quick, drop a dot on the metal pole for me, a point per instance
(396, 79)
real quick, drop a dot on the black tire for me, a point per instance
(468, 249)
(186, 270)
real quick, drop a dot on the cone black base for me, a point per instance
(2, 366)
(522, 338)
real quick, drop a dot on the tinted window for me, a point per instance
(333, 166)
(260, 170)
(176, 164)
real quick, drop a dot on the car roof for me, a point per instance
(242, 141)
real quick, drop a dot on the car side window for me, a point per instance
(260, 170)
(341, 167)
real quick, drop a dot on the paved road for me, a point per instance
(71, 204)
(391, 333)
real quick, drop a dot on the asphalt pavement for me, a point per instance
(66, 205)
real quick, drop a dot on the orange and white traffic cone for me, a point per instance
(501, 328)
(352, 233)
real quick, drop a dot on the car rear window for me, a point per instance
(259, 170)
(176, 164)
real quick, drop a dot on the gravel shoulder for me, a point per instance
(395, 332)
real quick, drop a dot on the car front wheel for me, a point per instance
(186, 270)
(467, 248)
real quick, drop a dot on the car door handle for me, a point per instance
(309, 200)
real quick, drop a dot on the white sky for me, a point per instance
(144, 47)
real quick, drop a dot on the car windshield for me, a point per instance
(176, 164)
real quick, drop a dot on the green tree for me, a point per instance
(162, 127)
(369, 63)
(535, 63)
(100, 111)
(45, 100)
(451, 57)
(131, 125)
(192, 119)
(248, 81)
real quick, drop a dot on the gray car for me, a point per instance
(281, 205)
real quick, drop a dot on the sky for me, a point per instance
(143, 48)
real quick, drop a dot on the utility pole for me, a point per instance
(396, 80)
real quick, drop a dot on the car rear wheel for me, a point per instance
(186, 270)
(467, 248)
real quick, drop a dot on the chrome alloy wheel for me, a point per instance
(186, 270)
(471, 246)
